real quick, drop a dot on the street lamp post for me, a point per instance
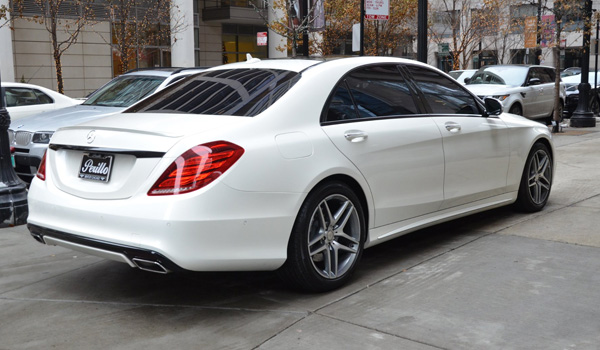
(13, 192)
(422, 31)
(582, 116)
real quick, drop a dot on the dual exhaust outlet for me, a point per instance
(142, 264)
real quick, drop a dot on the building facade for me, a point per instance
(213, 32)
(474, 35)
(203, 33)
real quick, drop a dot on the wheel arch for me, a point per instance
(355, 187)
(516, 103)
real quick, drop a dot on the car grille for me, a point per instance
(22, 138)
(11, 136)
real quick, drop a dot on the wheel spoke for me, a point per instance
(539, 180)
(338, 246)
(334, 236)
(340, 215)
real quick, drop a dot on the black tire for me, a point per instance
(536, 181)
(516, 109)
(327, 239)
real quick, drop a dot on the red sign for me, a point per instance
(261, 38)
(377, 9)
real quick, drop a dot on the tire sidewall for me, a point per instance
(298, 261)
(524, 201)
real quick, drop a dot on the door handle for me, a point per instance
(355, 135)
(453, 127)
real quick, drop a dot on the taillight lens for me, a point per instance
(196, 168)
(41, 173)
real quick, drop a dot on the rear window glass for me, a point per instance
(240, 92)
(124, 91)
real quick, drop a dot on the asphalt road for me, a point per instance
(496, 280)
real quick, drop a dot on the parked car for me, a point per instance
(288, 165)
(523, 90)
(23, 99)
(572, 89)
(30, 136)
(461, 75)
(570, 71)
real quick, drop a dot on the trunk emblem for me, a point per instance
(91, 136)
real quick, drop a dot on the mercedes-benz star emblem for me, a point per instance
(91, 136)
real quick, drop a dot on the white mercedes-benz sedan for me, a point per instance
(288, 165)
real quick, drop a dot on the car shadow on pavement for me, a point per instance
(112, 282)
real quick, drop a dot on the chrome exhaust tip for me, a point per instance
(38, 238)
(150, 266)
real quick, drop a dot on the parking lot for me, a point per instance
(496, 280)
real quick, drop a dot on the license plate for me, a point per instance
(96, 167)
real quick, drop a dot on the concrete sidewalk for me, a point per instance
(495, 280)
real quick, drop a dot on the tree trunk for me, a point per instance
(56, 54)
(59, 76)
(557, 111)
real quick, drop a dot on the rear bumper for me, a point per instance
(144, 259)
(218, 230)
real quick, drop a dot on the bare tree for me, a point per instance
(507, 37)
(565, 12)
(64, 21)
(137, 24)
(293, 24)
(465, 23)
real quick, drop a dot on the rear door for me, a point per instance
(476, 148)
(542, 93)
(374, 119)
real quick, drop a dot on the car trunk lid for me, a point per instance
(115, 157)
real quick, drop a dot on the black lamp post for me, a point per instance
(13, 192)
(422, 31)
(582, 116)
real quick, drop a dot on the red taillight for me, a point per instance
(41, 173)
(196, 168)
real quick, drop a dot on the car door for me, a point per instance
(373, 119)
(476, 148)
(538, 96)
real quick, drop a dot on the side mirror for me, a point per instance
(493, 106)
(467, 80)
(534, 81)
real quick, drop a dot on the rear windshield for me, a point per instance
(124, 91)
(239, 92)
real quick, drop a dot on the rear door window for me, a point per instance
(443, 95)
(372, 92)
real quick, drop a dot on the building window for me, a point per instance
(518, 13)
(239, 40)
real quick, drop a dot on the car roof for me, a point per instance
(515, 65)
(300, 64)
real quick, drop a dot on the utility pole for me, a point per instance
(362, 27)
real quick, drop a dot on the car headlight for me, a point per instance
(501, 97)
(572, 88)
(42, 137)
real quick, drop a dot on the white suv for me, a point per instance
(523, 90)
(29, 136)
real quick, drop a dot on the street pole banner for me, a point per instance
(530, 32)
(377, 9)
